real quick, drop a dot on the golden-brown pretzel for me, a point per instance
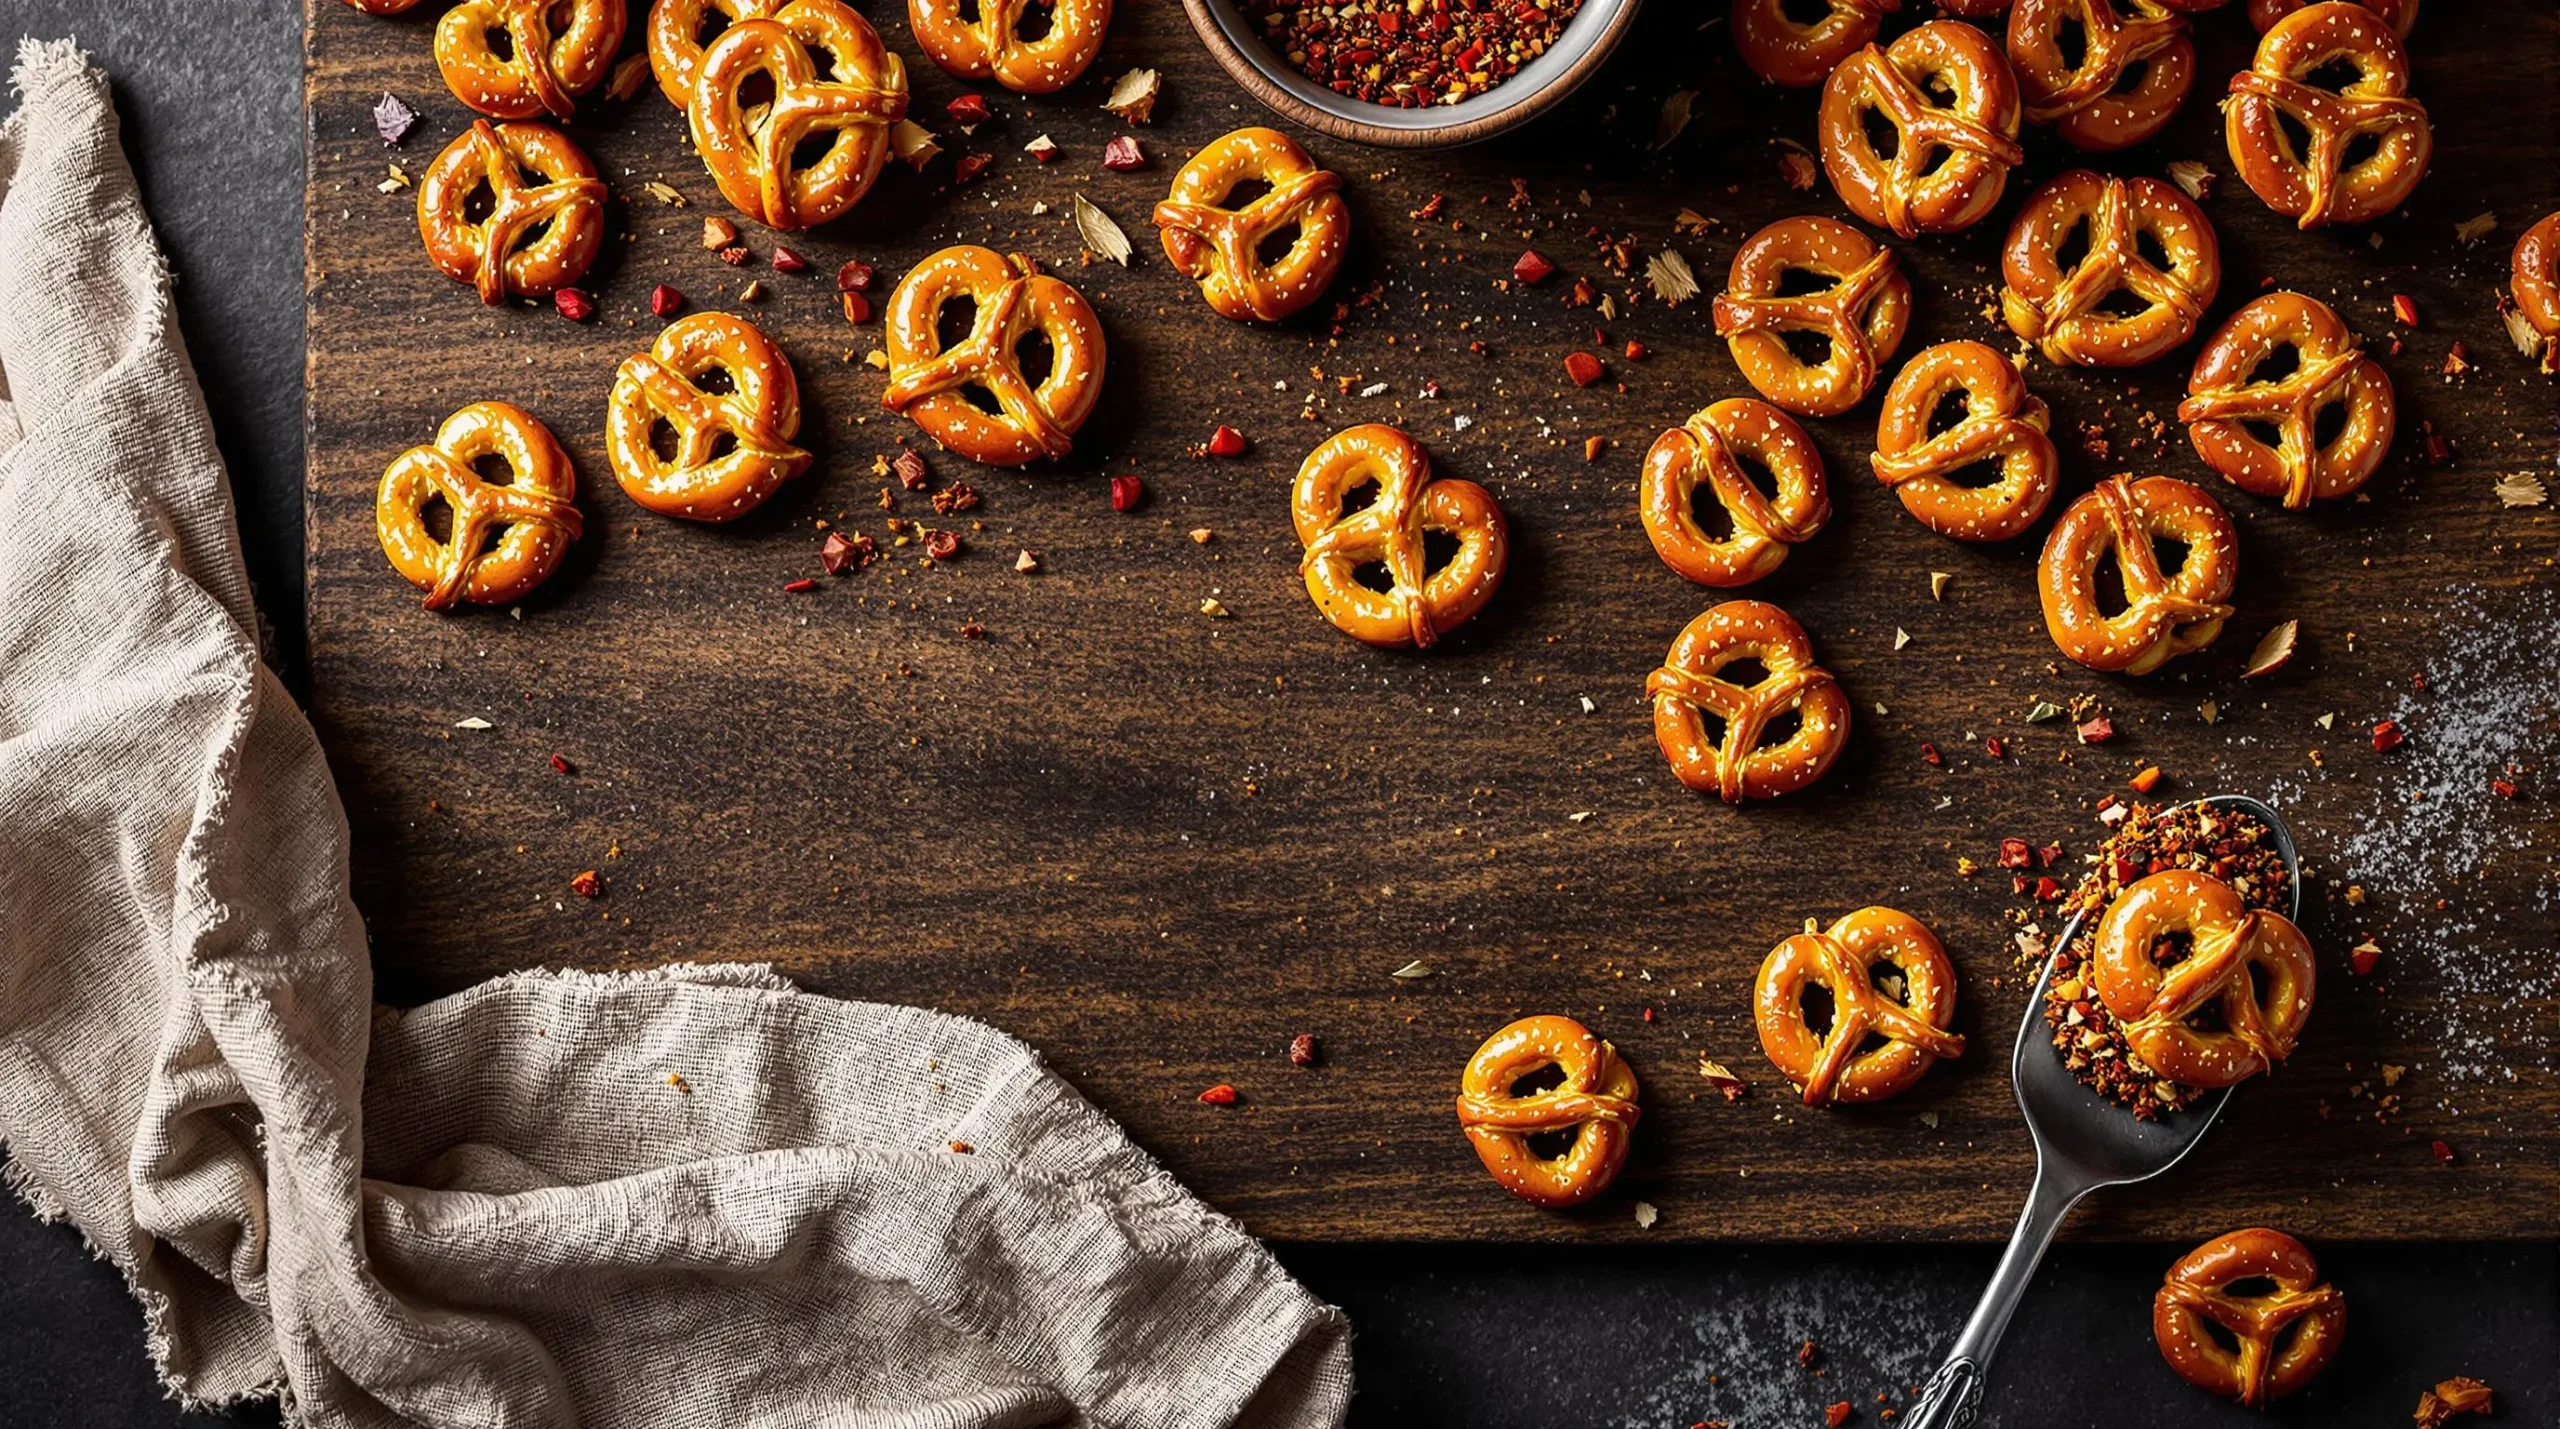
(1950, 161)
(2251, 966)
(1216, 244)
(1833, 1065)
(1596, 1102)
(1863, 316)
(675, 38)
(566, 201)
(992, 47)
(2088, 102)
(2164, 615)
(1014, 300)
(2317, 188)
(2003, 422)
(2400, 15)
(1703, 452)
(1690, 689)
(758, 415)
(2062, 313)
(859, 99)
(2534, 280)
(2225, 399)
(506, 537)
(544, 69)
(1421, 605)
(1799, 56)
(2196, 1295)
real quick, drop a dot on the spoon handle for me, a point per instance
(1952, 1399)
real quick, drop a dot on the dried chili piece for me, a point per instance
(1127, 492)
(575, 304)
(969, 109)
(590, 884)
(1219, 1095)
(1121, 154)
(787, 261)
(2388, 736)
(1302, 1050)
(1226, 441)
(910, 467)
(853, 276)
(1582, 367)
(665, 301)
(1532, 267)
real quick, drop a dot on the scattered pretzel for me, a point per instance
(992, 47)
(2267, 1365)
(2251, 966)
(2400, 15)
(758, 416)
(2003, 422)
(1829, 1065)
(544, 70)
(750, 158)
(2165, 615)
(2226, 398)
(566, 200)
(1596, 1103)
(1420, 605)
(675, 38)
(1690, 689)
(1799, 56)
(1217, 244)
(1862, 317)
(2535, 282)
(1704, 451)
(2319, 188)
(506, 538)
(1014, 300)
(1976, 135)
(2062, 313)
(2088, 102)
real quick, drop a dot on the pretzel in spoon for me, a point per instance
(992, 46)
(1833, 1065)
(2064, 313)
(1706, 451)
(2321, 187)
(2269, 1358)
(2002, 423)
(709, 380)
(564, 198)
(2534, 282)
(1217, 244)
(1950, 159)
(752, 155)
(1013, 301)
(2251, 967)
(546, 65)
(506, 537)
(1800, 56)
(1420, 604)
(1596, 1104)
(2400, 15)
(676, 40)
(1690, 689)
(2086, 99)
(1861, 318)
(2166, 614)
(2227, 399)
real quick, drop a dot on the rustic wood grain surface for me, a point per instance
(1159, 845)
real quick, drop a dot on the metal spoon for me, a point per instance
(2083, 1142)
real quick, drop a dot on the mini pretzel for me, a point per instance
(750, 156)
(1596, 1103)
(2088, 103)
(2400, 15)
(1801, 56)
(2535, 281)
(1421, 604)
(1863, 315)
(2062, 313)
(1690, 689)
(1703, 452)
(2319, 188)
(2251, 966)
(566, 200)
(2198, 1289)
(1216, 244)
(1831, 1066)
(1950, 159)
(545, 68)
(675, 38)
(2226, 398)
(1014, 299)
(506, 538)
(992, 46)
(756, 418)
(2003, 422)
(2165, 615)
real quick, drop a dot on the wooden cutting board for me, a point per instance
(1158, 845)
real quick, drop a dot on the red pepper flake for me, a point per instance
(590, 884)
(2098, 730)
(2404, 310)
(1837, 1415)
(969, 109)
(802, 586)
(2388, 736)
(2439, 447)
(561, 763)
(2146, 781)
(786, 261)
(735, 255)
(575, 304)
(1636, 351)
(1583, 294)
(1302, 1050)
(910, 468)
(973, 631)
(1226, 441)
(2016, 853)
(2048, 856)
(969, 166)
(1126, 493)
(664, 300)
(1807, 1353)
(2441, 1151)
(1121, 155)
(840, 553)
(1219, 1095)
(1430, 207)
(1930, 756)
(941, 545)
(1532, 267)
(853, 277)
(1648, 1014)
(1582, 367)
(2047, 889)
(1993, 747)
(2362, 958)
(857, 308)
(2503, 788)
(963, 1148)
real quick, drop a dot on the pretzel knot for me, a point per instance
(1217, 244)
(728, 450)
(751, 152)
(1013, 301)
(1420, 604)
(1595, 1102)
(2320, 187)
(503, 255)
(2003, 422)
(2270, 1358)
(2062, 313)
(992, 45)
(1690, 689)
(2164, 615)
(1800, 56)
(2534, 281)
(2226, 397)
(1703, 451)
(1949, 162)
(1862, 316)
(2252, 967)
(543, 70)
(505, 538)
(2089, 102)
(676, 41)
(1834, 1065)
(2400, 15)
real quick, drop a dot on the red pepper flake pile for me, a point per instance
(1395, 53)
(1219, 1095)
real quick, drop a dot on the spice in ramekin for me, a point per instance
(1408, 54)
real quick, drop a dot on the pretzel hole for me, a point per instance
(1808, 13)
(2123, 302)
(1939, 88)
(2250, 1287)
(2336, 74)
(822, 63)
(1884, 137)
(494, 468)
(715, 381)
(2148, 246)
(2071, 42)
(501, 45)
(709, 26)
(1244, 193)
(1034, 23)
(1744, 671)
(1356, 499)
(1952, 407)
(2281, 1343)
(2297, 138)
(1888, 979)
(1808, 345)
(1439, 548)
(2170, 554)
(2106, 587)
(2130, 80)
(1277, 244)
(968, 13)
(2170, 949)
(1374, 575)
(479, 204)
(662, 439)
(2328, 424)
(2223, 1339)
(1707, 509)
(754, 98)
(813, 149)
(2266, 434)
(1552, 1145)
(2073, 250)
(533, 233)
(1978, 475)
(2259, 978)
(435, 514)
(1780, 729)
(2280, 362)
(1818, 1009)
(1035, 357)
(954, 321)
(2360, 150)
